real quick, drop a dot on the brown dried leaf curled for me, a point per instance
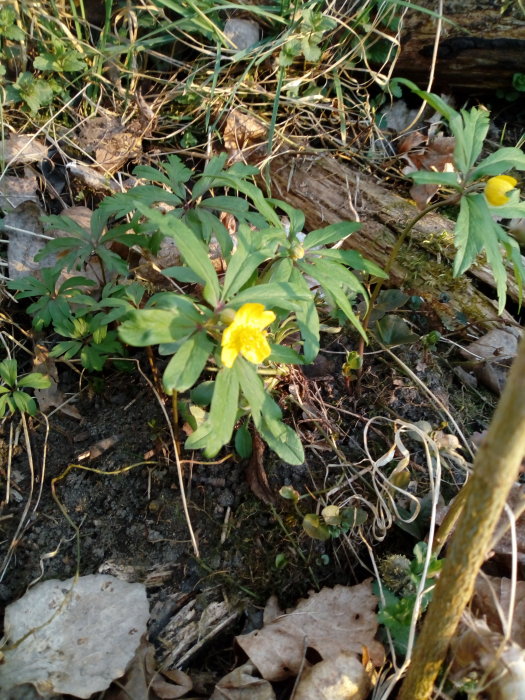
(331, 621)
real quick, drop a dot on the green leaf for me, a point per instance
(23, 402)
(285, 355)
(351, 258)
(423, 177)
(182, 274)
(240, 269)
(186, 365)
(392, 330)
(295, 216)
(218, 429)
(281, 439)
(154, 326)
(433, 100)
(203, 393)
(336, 273)
(9, 371)
(243, 442)
(282, 295)
(307, 319)
(289, 493)
(476, 231)
(35, 380)
(333, 287)
(193, 250)
(314, 528)
(253, 390)
(212, 169)
(469, 137)
(499, 162)
(330, 234)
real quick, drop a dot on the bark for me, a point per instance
(495, 469)
(482, 44)
(325, 190)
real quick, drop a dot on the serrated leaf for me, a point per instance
(476, 231)
(9, 371)
(499, 162)
(470, 135)
(295, 216)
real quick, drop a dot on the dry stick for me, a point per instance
(495, 469)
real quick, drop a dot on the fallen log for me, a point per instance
(481, 47)
(329, 191)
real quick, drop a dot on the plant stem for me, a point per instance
(495, 469)
(392, 258)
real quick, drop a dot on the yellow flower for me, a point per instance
(246, 335)
(497, 187)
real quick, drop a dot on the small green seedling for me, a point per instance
(13, 397)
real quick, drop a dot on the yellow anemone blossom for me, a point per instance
(497, 187)
(246, 335)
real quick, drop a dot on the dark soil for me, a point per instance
(131, 523)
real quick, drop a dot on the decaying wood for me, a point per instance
(329, 191)
(482, 44)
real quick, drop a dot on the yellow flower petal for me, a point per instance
(246, 335)
(228, 355)
(497, 187)
(256, 349)
(254, 315)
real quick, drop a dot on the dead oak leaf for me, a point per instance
(492, 593)
(15, 190)
(334, 620)
(22, 149)
(112, 143)
(243, 133)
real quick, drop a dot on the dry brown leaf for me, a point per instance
(414, 139)
(488, 592)
(478, 652)
(340, 678)
(436, 156)
(241, 684)
(51, 397)
(15, 190)
(22, 149)
(331, 621)
(113, 143)
(99, 448)
(243, 133)
(494, 352)
(178, 684)
(26, 239)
